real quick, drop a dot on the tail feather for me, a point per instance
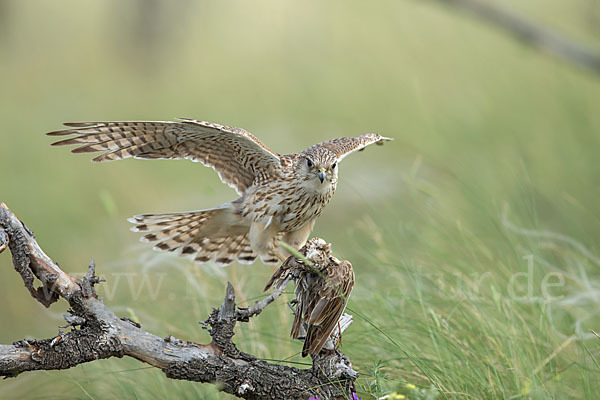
(232, 249)
(216, 235)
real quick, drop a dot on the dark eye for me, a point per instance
(333, 165)
(309, 163)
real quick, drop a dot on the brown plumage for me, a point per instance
(322, 292)
(280, 195)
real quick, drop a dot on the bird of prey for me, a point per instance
(322, 291)
(281, 196)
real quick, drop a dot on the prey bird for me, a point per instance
(322, 291)
(281, 196)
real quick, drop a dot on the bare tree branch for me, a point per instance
(97, 333)
(531, 33)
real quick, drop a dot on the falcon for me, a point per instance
(281, 196)
(323, 286)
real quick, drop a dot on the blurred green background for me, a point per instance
(494, 172)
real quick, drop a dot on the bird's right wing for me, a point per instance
(347, 145)
(235, 154)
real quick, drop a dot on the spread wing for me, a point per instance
(346, 145)
(326, 307)
(236, 155)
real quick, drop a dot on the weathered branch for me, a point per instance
(97, 333)
(531, 33)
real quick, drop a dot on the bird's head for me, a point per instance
(318, 166)
(317, 251)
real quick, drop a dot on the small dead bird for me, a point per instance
(322, 291)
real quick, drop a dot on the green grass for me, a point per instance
(493, 172)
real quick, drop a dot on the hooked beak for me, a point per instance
(321, 175)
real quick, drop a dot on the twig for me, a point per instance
(244, 314)
(531, 33)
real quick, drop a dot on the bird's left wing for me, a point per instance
(346, 145)
(235, 154)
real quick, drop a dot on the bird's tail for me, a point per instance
(217, 235)
(314, 341)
